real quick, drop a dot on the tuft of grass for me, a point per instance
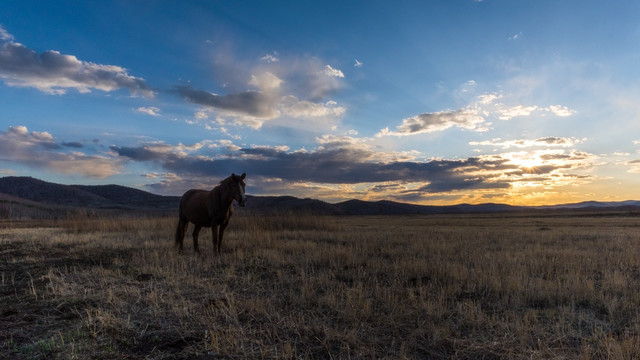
(304, 286)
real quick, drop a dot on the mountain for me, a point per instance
(99, 197)
(595, 204)
(26, 195)
(289, 204)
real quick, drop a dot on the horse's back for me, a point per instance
(194, 207)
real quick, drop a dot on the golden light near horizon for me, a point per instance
(528, 162)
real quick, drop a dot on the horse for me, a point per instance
(210, 209)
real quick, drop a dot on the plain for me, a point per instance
(517, 286)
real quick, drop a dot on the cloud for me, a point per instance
(550, 141)
(516, 36)
(4, 35)
(560, 110)
(508, 113)
(270, 58)
(296, 108)
(39, 150)
(153, 111)
(254, 103)
(468, 86)
(54, 73)
(515, 111)
(438, 121)
(472, 117)
(634, 166)
(339, 141)
(329, 71)
(265, 81)
(73, 144)
(333, 165)
(488, 98)
(283, 91)
(345, 166)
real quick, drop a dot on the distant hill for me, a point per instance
(100, 197)
(596, 204)
(26, 195)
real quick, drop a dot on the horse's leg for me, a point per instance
(196, 232)
(215, 240)
(220, 235)
(180, 230)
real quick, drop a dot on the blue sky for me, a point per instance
(432, 102)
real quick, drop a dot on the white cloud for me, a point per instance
(516, 36)
(343, 141)
(560, 110)
(228, 144)
(550, 141)
(473, 117)
(153, 111)
(509, 113)
(488, 98)
(54, 73)
(519, 110)
(292, 106)
(468, 86)
(4, 35)
(265, 81)
(270, 58)
(201, 115)
(329, 71)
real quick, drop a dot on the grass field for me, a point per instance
(466, 286)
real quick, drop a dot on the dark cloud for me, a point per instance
(553, 140)
(53, 72)
(254, 103)
(461, 182)
(140, 153)
(573, 156)
(378, 175)
(73, 144)
(438, 121)
(337, 166)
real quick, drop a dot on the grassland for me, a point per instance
(468, 287)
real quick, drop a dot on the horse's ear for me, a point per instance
(244, 175)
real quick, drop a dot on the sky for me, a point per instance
(527, 102)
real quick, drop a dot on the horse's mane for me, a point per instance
(224, 181)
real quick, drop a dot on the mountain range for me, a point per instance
(30, 193)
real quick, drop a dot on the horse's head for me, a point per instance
(237, 188)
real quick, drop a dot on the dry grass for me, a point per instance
(322, 287)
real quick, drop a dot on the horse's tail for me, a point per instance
(181, 227)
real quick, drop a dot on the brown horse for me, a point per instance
(210, 209)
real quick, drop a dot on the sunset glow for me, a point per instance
(528, 103)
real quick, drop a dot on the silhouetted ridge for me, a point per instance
(98, 196)
(126, 198)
